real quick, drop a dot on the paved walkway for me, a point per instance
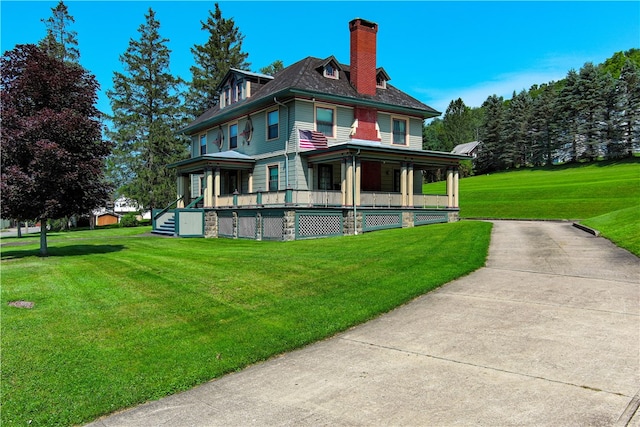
(547, 334)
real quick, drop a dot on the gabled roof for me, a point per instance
(466, 148)
(304, 79)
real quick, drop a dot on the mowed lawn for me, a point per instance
(574, 192)
(120, 319)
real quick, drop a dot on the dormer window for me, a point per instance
(330, 71)
(381, 82)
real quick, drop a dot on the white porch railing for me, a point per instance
(321, 198)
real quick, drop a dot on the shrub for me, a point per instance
(129, 220)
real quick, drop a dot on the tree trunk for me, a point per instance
(19, 230)
(43, 238)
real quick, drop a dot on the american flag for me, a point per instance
(312, 139)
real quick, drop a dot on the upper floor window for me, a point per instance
(227, 96)
(330, 71)
(399, 131)
(233, 136)
(239, 91)
(381, 82)
(325, 120)
(203, 144)
(272, 124)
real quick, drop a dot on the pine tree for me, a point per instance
(492, 135)
(146, 110)
(60, 42)
(628, 107)
(543, 142)
(273, 68)
(516, 150)
(590, 109)
(457, 124)
(565, 126)
(222, 51)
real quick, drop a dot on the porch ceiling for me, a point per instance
(224, 160)
(374, 151)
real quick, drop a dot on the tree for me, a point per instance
(52, 151)
(543, 145)
(457, 124)
(516, 149)
(146, 111)
(590, 109)
(273, 68)
(60, 42)
(492, 136)
(222, 51)
(566, 123)
(628, 107)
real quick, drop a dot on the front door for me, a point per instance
(371, 176)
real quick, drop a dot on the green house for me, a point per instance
(320, 149)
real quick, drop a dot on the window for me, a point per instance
(227, 96)
(203, 144)
(239, 91)
(325, 177)
(381, 82)
(272, 124)
(233, 136)
(399, 132)
(325, 119)
(273, 178)
(330, 71)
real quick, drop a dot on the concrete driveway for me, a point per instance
(547, 334)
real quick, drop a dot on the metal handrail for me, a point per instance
(156, 216)
(194, 202)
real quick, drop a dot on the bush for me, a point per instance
(129, 220)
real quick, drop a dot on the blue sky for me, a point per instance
(435, 51)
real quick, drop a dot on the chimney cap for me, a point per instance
(359, 22)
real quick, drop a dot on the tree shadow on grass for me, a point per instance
(62, 251)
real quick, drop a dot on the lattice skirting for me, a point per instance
(272, 227)
(429, 218)
(225, 226)
(377, 221)
(318, 225)
(247, 227)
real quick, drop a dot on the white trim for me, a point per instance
(407, 129)
(335, 118)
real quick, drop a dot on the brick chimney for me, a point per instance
(363, 75)
(363, 55)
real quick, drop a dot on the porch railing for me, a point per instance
(322, 198)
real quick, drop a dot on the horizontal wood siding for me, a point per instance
(415, 134)
(344, 122)
(384, 122)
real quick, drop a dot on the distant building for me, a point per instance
(467, 149)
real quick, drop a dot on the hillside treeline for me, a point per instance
(593, 113)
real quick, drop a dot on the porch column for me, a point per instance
(449, 187)
(250, 182)
(216, 186)
(183, 190)
(349, 182)
(208, 190)
(456, 177)
(410, 184)
(343, 182)
(358, 182)
(310, 177)
(403, 183)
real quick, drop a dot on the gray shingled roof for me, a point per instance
(306, 76)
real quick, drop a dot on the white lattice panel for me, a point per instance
(272, 227)
(381, 220)
(319, 225)
(225, 226)
(247, 227)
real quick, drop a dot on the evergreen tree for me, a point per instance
(566, 123)
(457, 124)
(222, 51)
(492, 136)
(543, 116)
(52, 153)
(147, 110)
(433, 136)
(60, 42)
(273, 68)
(628, 107)
(516, 148)
(590, 110)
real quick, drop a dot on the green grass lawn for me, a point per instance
(575, 192)
(120, 319)
(621, 227)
